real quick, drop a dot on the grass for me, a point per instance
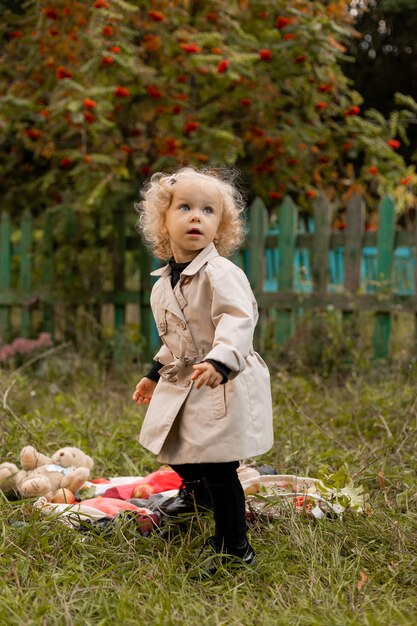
(309, 572)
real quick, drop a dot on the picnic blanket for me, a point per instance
(267, 495)
(127, 487)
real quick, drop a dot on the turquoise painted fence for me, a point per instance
(290, 270)
(403, 270)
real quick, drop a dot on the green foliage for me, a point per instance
(406, 101)
(326, 343)
(101, 94)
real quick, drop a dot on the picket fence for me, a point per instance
(351, 271)
(291, 270)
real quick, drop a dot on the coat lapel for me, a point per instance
(201, 259)
(168, 299)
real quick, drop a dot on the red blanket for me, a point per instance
(161, 480)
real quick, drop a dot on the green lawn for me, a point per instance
(307, 572)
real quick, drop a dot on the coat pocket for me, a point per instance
(219, 401)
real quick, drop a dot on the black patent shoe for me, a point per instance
(192, 498)
(223, 559)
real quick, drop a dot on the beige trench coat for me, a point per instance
(210, 314)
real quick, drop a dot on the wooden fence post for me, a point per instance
(320, 250)
(70, 319)
(147, 325)
(415, 289)
(258, 226)
(4, 272)
(353, 242)
(25, 271)
(119, 281)
(385, 257)
(47, 278)
(353, 255)
(288, 215)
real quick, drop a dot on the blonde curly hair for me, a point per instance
(157, 196)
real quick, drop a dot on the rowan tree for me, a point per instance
(99, 94)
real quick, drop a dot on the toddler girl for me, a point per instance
(209, 392)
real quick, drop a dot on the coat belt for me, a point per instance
(170, 372)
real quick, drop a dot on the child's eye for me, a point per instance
(184, 207)
(208, 209)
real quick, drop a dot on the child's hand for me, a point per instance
(206, 373)
(144, 390)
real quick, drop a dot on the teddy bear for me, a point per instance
(41, 475)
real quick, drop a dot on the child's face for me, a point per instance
(193, 217)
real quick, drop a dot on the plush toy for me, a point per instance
(40, 475)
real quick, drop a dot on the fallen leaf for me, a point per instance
(381, 479)
(363, 578)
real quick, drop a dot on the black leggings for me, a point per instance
(227, 497)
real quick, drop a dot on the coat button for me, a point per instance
(183, 325)
(173, 379)
(187, 384)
